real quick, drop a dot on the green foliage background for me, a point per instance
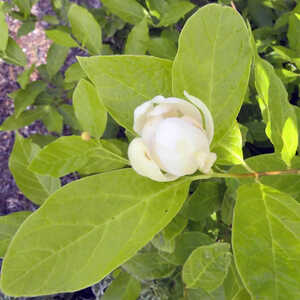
(225, 237)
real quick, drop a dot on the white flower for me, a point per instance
(173, 141)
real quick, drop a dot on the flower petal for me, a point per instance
(206, 161)
(176, 145)
(142, 163)
(209, 123)
(186, 108)
(141, 115)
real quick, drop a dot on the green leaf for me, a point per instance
(26, 27)
(293, 33)
(53, 119)
(4, 31)
(9, 225)
(233, 286)
(25, 6)
(185, 244)
(207, 267)
(14, 54)
(266, 237)
(55, 58)
(124, 287)
(213, 63)
(169, 11)
(148, 265)
(24, 78)
(67, 111)
(35, 187)
(124, 82)
(61, 37)
(271, 162)
(162, 244)
(205, 200)
(165, 240)
(85, 28)
(108, 155)
(65, 155)
(26, 118)
(229, 149)
(42, 140)
(197, 294)
(138, 38)
(175, 227)
(74, 73)
(89, 109)
(25, 98)
(277, 112)
(297, 111)
(229, 200)
(162, 47)
(87, 229)
(175, 10)
(128, 10)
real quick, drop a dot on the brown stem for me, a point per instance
(267, 173)
(255, 175)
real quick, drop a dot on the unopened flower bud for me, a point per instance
(174, 141)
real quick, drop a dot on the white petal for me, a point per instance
(177, 143)
(149, 131)
(142, 163)
(180, 105)
(140, 116)
(209, 123)
(206, 161)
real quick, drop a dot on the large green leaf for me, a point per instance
(293, 33)
(9, 224)
(138, 38)
(233, 286)
(266, 242)
(108, 155)
(125, 81)
(63, 156)
(4, 31)
(277, 112)
(35, 187)
(86, 230)
(124, 287)
(271, 162)
(207, 267)
(128, 10)
(200, 294)
(213, 63)
(89, 109)
(229, 149)
(85, 28)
